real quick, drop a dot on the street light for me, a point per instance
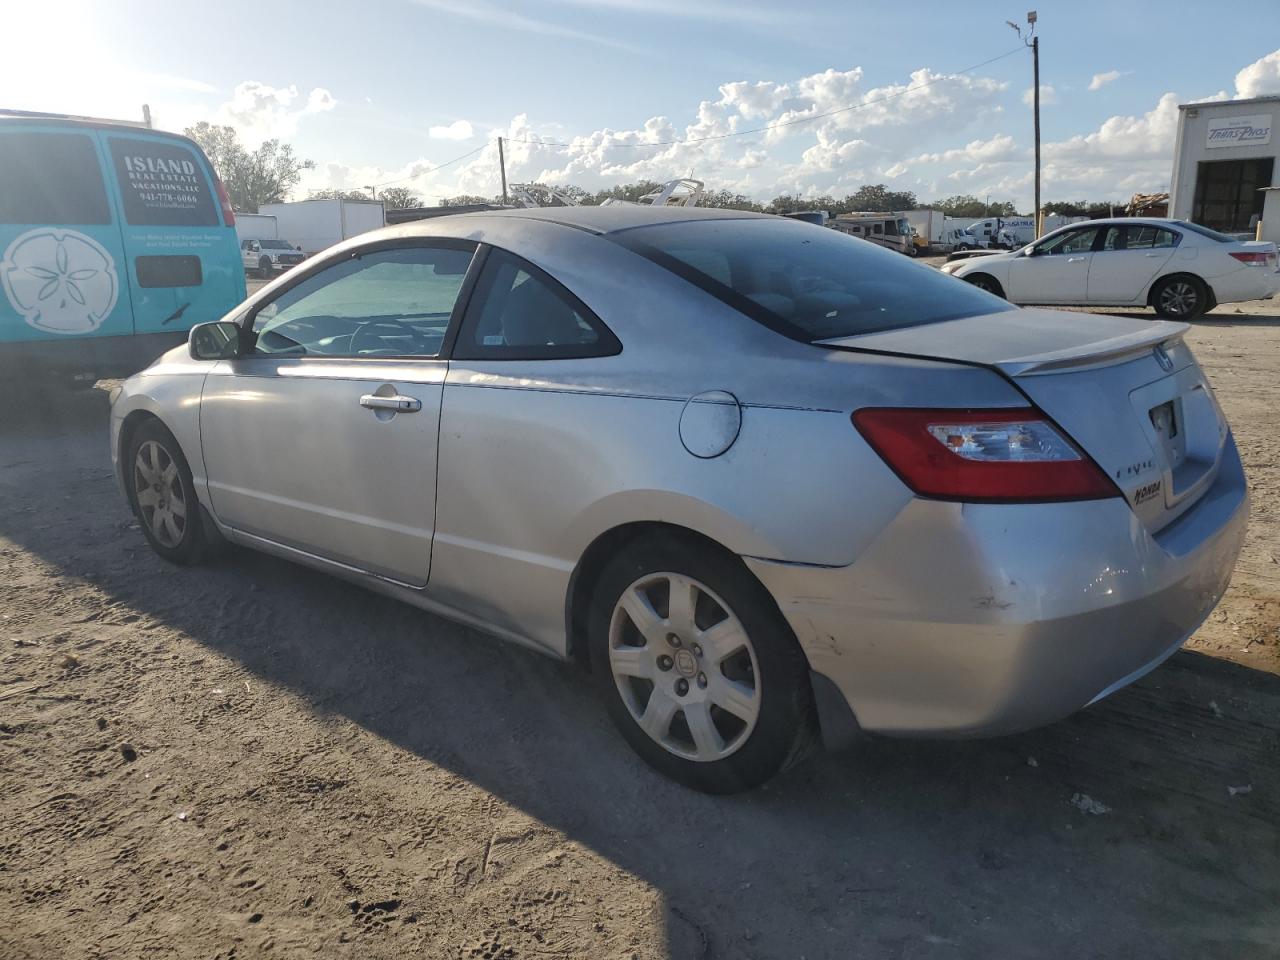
(1033, 42)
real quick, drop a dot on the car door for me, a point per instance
(324, 436)
(1128, 259)
(1056, 270)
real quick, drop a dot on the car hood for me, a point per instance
(1019, 341)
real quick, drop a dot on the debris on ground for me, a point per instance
(1240, 791)
(1086, 804)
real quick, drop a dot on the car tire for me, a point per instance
(984, 281)
(729, 645)
(264, 268)
(1180, 297)
(163, 495)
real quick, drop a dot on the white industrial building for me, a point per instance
(1225, 166)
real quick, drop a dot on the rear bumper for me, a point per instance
(976, 620)
(1247, 283)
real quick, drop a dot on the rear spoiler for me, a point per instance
(1100, 354)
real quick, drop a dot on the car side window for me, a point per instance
(518, 312)
(1074, 241)
(1113, 239)
(385, 303)
(1150, 238)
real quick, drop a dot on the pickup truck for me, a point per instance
(262, 258)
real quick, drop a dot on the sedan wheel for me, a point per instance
(1180, 298)
(698, 668)
(684, 666)
(159, 493)
(163, 495)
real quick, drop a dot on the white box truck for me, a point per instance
(256, 226)
(314, 225)
(930, 226)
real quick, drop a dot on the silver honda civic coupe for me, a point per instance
(776, 486)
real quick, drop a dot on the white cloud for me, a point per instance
(1260, 78)
(261, 112)
(1100, 80)
(998, 148)
(458, 130)
(1047, 95)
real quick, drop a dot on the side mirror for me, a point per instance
(219, 340)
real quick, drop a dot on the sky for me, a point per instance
(931, 97)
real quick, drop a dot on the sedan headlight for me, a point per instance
(951, 267)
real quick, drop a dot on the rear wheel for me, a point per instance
(986, 282)
(164, 496)
(1180, 298)
(698, 669)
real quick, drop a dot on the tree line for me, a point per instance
(270, 174)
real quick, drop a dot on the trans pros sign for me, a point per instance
(1239, 131)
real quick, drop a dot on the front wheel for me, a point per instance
(1180, 298)
(163, 495)
(264, 268)
(698, 668)
(984, 282)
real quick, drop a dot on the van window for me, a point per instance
(163, 184)
(51, 178)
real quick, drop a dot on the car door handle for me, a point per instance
(1155, 254)
(397, 403)
(1075, 259)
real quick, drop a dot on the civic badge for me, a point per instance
(1163, 358)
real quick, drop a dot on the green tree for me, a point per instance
(252, 177)
(334, 194)
(465, 199)
(879, 198)
(399, 198)
(626, 191)
(966, 205)
(729, 200)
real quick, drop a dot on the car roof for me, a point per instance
(611, 218)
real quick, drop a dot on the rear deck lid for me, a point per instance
(1128, 391)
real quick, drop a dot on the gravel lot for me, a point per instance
(252, 759)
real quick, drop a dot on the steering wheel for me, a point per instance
(375, 331)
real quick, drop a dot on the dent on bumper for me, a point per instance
(971, 620)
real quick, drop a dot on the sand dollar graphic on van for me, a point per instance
(59, 280)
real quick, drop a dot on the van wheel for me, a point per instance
(264, 268)
(697, 667)
(1180, 298)
(163, 495)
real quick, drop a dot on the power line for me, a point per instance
(788, 123)
(441, 166)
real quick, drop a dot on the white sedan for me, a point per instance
(1181, 269)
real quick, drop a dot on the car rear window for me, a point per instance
(806, 282)
(1206, 232)
(163, 184)
(51, 178)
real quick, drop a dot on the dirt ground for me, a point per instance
(255, 760)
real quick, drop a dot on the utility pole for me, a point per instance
(373, 190)
(502, 165)
(1032, 41)
(1035, 60)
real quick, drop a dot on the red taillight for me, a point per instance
(224, 198)
(1254, 259)
(1003, 455)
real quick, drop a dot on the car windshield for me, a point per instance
(808, 283)
(275, 245)
(1206, 232)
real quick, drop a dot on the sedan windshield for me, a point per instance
(806, 282)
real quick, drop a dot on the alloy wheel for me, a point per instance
(684, 666)
(1178, 298)
(158, 490)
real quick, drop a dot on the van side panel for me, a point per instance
(184, 263)
(63, 271)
